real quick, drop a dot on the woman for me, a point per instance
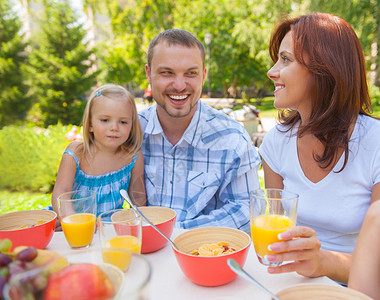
(365, 270)
(326, 147)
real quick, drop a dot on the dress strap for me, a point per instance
(68, 151)
(134, 158)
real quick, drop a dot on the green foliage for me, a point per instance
(13, 102)
(374, 92)
(134, 24)
(29, 157)
(61, 68)
(10, 202)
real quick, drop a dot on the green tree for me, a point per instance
(61, 69)
(364, 17)
(134, 24)
(13, 102)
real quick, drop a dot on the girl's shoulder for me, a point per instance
(76, 148)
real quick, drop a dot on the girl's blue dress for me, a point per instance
(107, 186)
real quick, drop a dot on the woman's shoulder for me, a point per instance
(368, 126)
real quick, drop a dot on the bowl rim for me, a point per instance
(319, 286)
(218, 256)
(54, 216)
(159, 208)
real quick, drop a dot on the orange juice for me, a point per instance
(121, 259)
(79, 229)
(265, 229)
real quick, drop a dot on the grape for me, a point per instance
(16, 267)
(4, 272)
(4, 260)
(3, 281)
(27, 254)
(5, 245)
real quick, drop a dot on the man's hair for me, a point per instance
(175, 37)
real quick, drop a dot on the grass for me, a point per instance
(12, 201)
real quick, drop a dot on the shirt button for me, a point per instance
(171, 181)
(172, 154)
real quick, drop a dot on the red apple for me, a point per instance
(79, 281)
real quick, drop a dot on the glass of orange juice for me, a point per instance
(119, 229)
(272, 211)
(77, 213)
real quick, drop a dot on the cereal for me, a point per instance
(214, 249)
(39, 222)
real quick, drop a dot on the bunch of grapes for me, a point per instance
(12, 264)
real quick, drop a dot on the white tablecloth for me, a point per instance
(168, 281)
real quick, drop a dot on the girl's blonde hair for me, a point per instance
(133, 144)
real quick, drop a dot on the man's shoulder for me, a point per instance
(145, 115)
(221, 127)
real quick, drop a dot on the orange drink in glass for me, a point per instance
(119, 229)
(77, 213)
(272, 211)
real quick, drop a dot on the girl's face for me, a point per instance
(111, 122)
(291, 79)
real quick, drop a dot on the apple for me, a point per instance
(82, 281)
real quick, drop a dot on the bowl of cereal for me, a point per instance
(28, 228)
(202, 253)
(162, 217)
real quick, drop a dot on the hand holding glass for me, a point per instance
(119, 228)
(77, 213)
(272, 211)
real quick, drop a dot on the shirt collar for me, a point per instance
(192, 133)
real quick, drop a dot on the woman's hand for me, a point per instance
(301, 246)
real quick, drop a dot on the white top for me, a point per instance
(335, 206)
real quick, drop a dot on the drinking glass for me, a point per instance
(272, 211)
(119, 228)
(77, 213)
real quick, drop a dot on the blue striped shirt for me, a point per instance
(207, 176)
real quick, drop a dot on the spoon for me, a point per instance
(126, 197)
(234, 266)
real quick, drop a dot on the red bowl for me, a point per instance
(211, 270)
(34, 235)
(164, 219)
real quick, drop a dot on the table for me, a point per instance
(168, 281)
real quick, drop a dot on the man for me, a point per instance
(198, 161)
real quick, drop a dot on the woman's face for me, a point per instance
(291, 80)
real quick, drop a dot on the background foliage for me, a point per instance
(70, 51)
(29, 157)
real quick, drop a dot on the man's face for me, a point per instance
(176, 76)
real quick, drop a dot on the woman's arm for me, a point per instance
(365, 270)
(136, 189)
(271, 178)
(302, 246)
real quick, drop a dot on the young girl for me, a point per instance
(109, 158)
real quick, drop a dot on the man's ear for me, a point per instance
(147, 72)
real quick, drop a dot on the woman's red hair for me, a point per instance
(329, 48)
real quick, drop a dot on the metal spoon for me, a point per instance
(126, 197)
(240, 271)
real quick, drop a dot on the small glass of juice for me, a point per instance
(77, 213)
(272, 211)
(119, 229)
